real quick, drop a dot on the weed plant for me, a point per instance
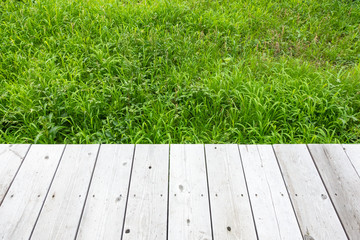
(195, 71)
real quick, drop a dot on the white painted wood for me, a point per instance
(105, 205)
(342, 182)
(62, 209)
(189, 210)
(11, 157)
(315, 213)
(230, 206)
(25, 197)
(353, 152)
(146, 213)
(272, 209)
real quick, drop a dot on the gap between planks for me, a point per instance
(176, 201)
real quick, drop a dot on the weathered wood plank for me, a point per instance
(26, 195)
(353, 152)
(315, 213)
(146, 213)
(63, 206)
(11, 157)
(105, 206)
(342, 183)
(232, 220)
(272, 209)
(189, 210)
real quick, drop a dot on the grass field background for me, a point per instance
(191, 71)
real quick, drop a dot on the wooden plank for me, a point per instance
(63, 206)
(189, 210)
(26, 195)
(272, 209)
(230, 206)
(146, 213)
(315, 213)
(105, 206)
(353, 152)
(11, 157)
(342, 183)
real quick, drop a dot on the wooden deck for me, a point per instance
(180, 192)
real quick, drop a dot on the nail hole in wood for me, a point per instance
(242, 195)
(46, 157)
(161, 195)
(53, 196)
(255, 194)
(188, 221)
(134, 195)
(202, 195)
(175, 194)
(79, 195)
(93, 195)
(215, 147)
(308, 237)
(323, 196)
(149, 167)
(89, 154)
(12, 195)
(295, 194)
(124, 163)
(39, 195)
(216, 195)
(228, 228)
(127, 231)
(181, 187)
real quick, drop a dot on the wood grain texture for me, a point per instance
(57, 194)
(63, 206)
(272, 209)
(342, 183)
(26, 195)
(11, 157)
(146, 213)
(189, 210)
(105, 206)
(353, 152)
(315, 213)
(232, 220)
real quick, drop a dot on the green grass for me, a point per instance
(191, 71)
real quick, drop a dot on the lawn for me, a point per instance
(191, 71)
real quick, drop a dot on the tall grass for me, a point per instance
(192, 71)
